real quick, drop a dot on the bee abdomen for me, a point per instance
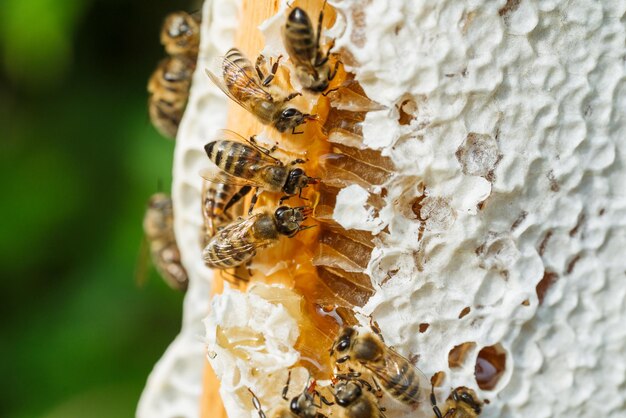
(216, 197)
(236, 57)
(404, 386)
(225, 255)
(300, 34)
(232, 157)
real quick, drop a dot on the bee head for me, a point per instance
(179, 32)
(347, 392)
(158, 215)
(288, 220)
(161, 202)
(296, 181)
(302, 406)
(289, 119)
(466, 396)
(343, 343)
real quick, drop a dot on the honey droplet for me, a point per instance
(490, 366)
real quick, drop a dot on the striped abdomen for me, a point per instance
(300, 39)
(240, 78)
(223, 253)
(234, 158)
(401, 380)
(215, 197)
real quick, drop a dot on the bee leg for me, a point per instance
(233, 278)
(237, 197)
(333, 73)
(257, 404)
(300, 195)
(268, 79)
(286, 388)
(298, 161)
(433, 402)
(327, 92)
(260, 60)
(323, 400)
(376, 329)
(248, 264)
(320, 20)
(253, 201)
(291, 96)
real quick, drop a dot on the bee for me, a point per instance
(169, 90)
(301, 406)
(302, 42)
(217, 199)
(158, 226)
(242, 162)
(180, 35)
(247, 85)
(461, 403)
(238, 242)
(367, 352)
(356, 402)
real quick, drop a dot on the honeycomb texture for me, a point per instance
(509, 197)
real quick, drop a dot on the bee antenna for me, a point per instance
(304, 228)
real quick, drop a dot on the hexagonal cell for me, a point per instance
(478, 155)
(438, 379)
(490, 366)
(459, 354)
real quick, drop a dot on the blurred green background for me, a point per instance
(78, 161)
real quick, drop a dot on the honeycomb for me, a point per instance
(501, 228)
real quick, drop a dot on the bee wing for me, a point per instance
(248, 88)
(237, 231)
(400, 375)
(234, 136)
(217, 175)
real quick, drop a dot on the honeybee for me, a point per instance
(367, 352)
(301, 406)
(246, 85)
(217, 199)
(461, 403)
(302, 42)
(180, 34)
(169, 90)
(238, 242)
(244, 163)
(158, 226)
(356, 402)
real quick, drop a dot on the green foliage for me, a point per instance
(78, 161)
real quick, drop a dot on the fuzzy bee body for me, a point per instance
(238, 242)
(462, 403)
(169, 90)
(217, 199)
(241, 82)
(158, 225)
(169, 84)
(180, 34)
(243, 163)
(302, 43)
(354, 402)
(367, 352)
